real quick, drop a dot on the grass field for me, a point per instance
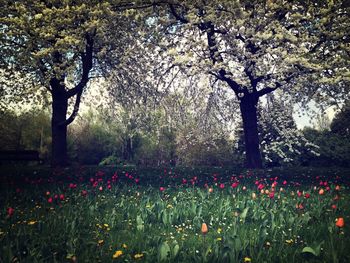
(94, 214)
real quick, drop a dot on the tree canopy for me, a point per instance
(148, 48)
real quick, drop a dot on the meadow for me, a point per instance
(129, 214)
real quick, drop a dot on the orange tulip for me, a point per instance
(204, 228)
(321, 192)
(340, 222)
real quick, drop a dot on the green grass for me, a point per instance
(135, 217)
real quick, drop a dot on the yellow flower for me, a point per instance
(31, 222)
(169, 206)
(289, 241)
(117, 254)
(219, 239)
(148, 206)
(137, 256)
(105, 225)
(100, 242)
(124, 246)
(247, 259)
(219, 230)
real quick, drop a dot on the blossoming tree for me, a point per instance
(257, 47)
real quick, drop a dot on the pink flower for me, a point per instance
(100, 188)
(272, 195)
(284, 182)
(61, 197)
(137, 180)
(222, 186)
(162, 189)
(49, 200)
(109, 186)
(83, 192)
(299, 206)
(10, 211)
(307, 195)
(234, 185)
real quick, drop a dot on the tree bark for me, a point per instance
(248, 107)
(58, 125)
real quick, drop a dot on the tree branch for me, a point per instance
(86, 58)
(176, 15)
(79, 88)
(267, 90)
(75, 110)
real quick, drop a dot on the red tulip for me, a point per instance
(61, 197)
(234, 185)
(340, 222)
(10, 211)
(260, 186)
(307, 195)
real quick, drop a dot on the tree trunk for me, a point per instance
(248, 109)
(59, 127)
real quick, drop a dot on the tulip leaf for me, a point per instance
(164, 251)
(315, 250)
(244, 213)
(139, 223)
(176, 250)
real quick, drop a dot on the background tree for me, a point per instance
(257, 47)
(341, 122)
(28, 130)
(55, 47)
